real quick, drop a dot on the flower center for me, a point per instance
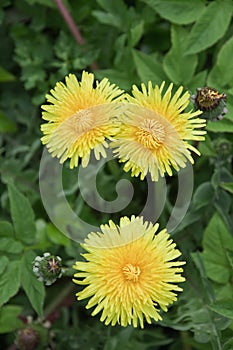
(83, 121)
(151, 134)
(131, 272)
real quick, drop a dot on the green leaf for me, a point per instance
(199, 80)
(223, 291)
(9, 320)
(22, 215)
(6, 229)
(228, 345)
(113, 6)
(49, 3)
(148, 68)
(33, 288)
(227, 186)
(223, 307)
(222, 203)
(9, 281)
(136, 33)
(6, 124)
(221, 175)
(225, 62)
(230, 258)
(210, 26)
(116, 77)
(10, 245)
(209, 294)
(177, 11)
(115, 15)
(203, 195)
(57, 236)
(178, 67)
(5, 76)
(222, 73)
(217, 239)
(42, 242)
(107, 18)
(206, 147)
(3, 263)
(193, 313)
(215, 79)
(224, 125)
(190, 218)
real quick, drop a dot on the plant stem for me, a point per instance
(185, 340)
(70, 22)
(58, 300)
(72, 26)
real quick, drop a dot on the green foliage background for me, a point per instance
(189, 43)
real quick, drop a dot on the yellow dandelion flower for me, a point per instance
(129, 272)
(80, 118)
(154, 132)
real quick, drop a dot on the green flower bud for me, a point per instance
(47, 268)
(223, 147)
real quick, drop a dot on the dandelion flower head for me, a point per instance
(80, 118)
(154, 131)
(129, 272)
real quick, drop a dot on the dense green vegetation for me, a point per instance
(189, 43)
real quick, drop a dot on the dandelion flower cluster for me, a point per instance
(149, 131)
(129, 272)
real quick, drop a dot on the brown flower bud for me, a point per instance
(208, 98)
(28, 339)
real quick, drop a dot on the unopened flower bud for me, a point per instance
(47, 268)
(27, 339)
(223, 147)
(211, 102)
